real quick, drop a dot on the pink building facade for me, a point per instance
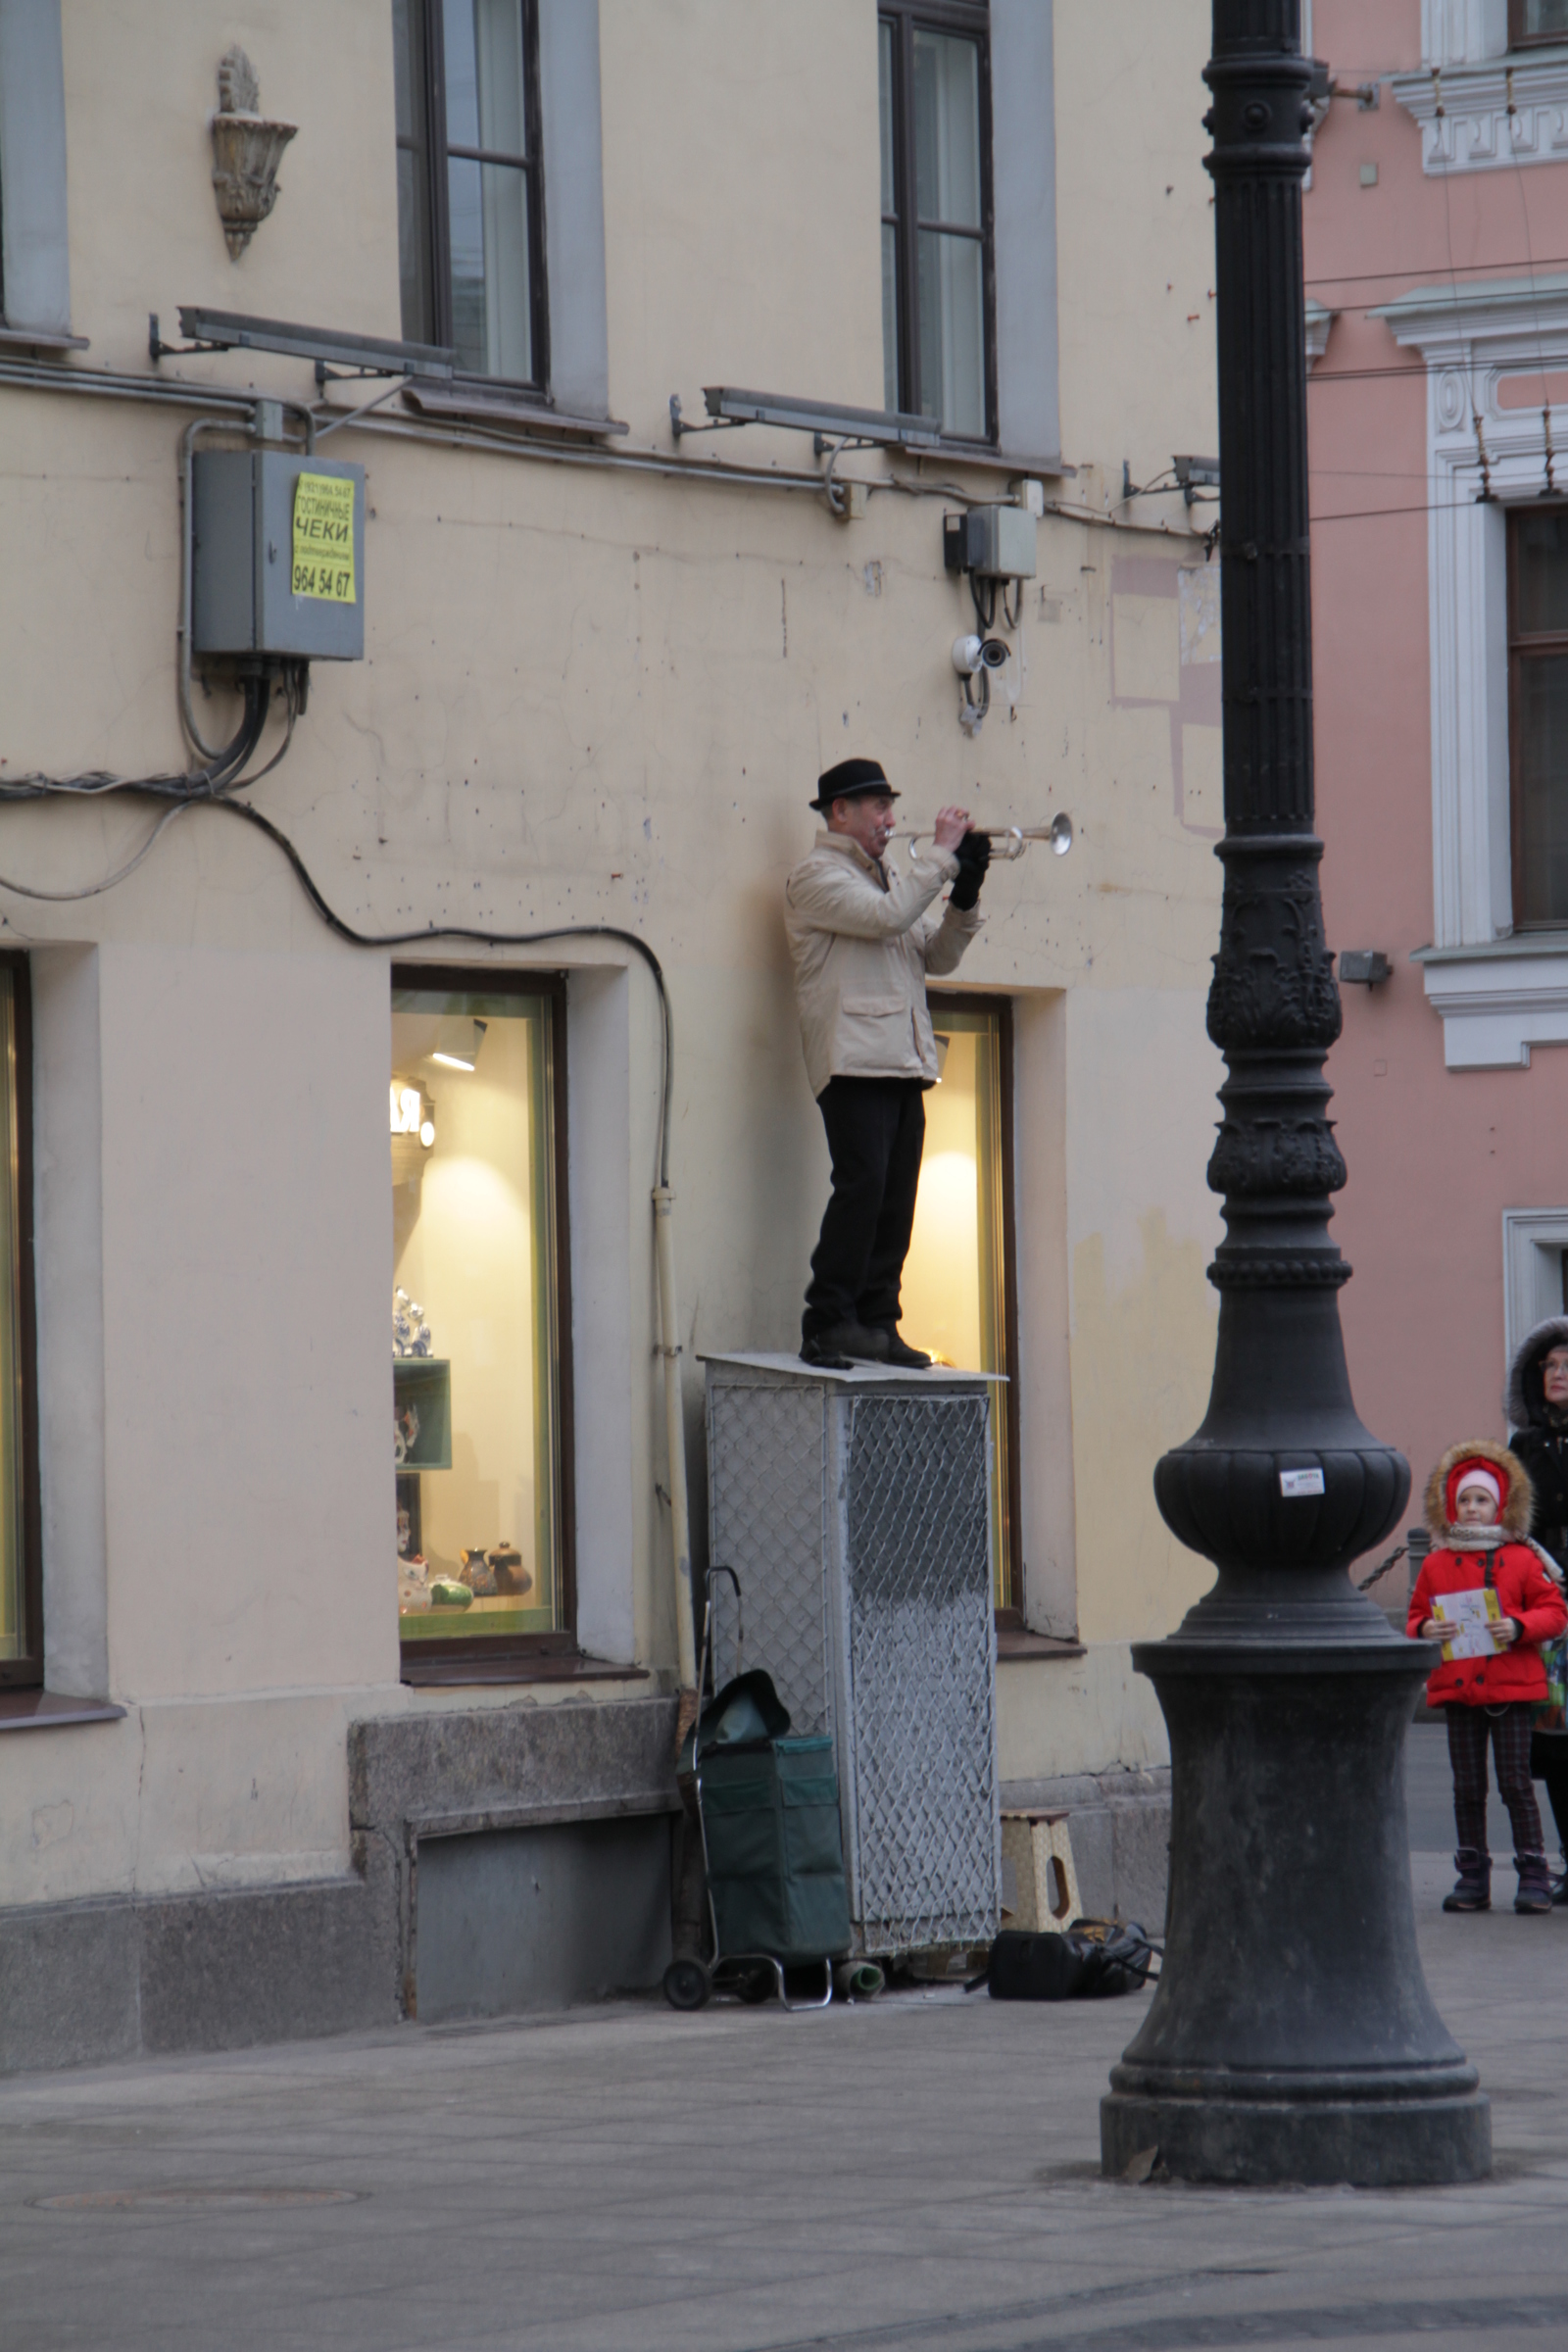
(1437, 278)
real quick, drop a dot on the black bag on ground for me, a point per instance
(1094, 1958)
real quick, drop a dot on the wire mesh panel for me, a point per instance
(918, 1577)
(766, 1481)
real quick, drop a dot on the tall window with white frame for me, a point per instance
(21, 1571)
(937, 273)
(470, 199)
(1538, 711)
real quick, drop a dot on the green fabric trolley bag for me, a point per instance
(766, 1807)
(776, 1855)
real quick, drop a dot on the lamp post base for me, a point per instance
(1255, 2143)
(1292, 2037)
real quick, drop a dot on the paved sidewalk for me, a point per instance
(919, 2173)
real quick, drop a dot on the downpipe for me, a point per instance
(679, 1511)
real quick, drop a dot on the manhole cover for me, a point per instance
(221, 2200)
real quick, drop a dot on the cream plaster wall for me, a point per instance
(140, 89)
(1136, 253)
(588, 696)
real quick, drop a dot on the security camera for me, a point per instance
(969, 653)
(994, 653)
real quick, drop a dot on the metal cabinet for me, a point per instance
(855, 1508)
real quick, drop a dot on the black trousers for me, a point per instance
(876, 1133)
(1548, 1762)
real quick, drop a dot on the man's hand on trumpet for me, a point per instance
(951, 827)
(973, 854)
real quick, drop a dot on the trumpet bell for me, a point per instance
(1060, 835)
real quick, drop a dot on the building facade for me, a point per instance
(1439, 312)
(347, 385)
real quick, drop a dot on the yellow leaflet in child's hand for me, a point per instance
(1472, 1616)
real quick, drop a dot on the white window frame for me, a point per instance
(1497, 995)
(1534, 1241)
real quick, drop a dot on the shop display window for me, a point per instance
(21, 1595)
(480, 1391)
(958, 1277)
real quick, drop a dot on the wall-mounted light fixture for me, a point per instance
(1368, 967)
(459, 1045)
(1194, 475)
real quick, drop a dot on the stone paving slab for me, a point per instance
(915, 2175)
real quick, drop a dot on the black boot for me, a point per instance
(1473, 1892)
(1559, 1886)
(843, 1345)
(1534, 1882)
(896, 1350)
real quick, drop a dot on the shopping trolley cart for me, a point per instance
(765, 1806)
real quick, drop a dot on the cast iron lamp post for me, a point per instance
(1292, 2037)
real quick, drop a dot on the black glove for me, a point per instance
(973, 854)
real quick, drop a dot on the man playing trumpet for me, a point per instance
(863, 939)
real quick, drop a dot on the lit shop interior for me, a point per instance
(19, 1545)
(476, 1313)
(956, 1303)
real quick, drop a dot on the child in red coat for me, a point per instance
(1478, 1508)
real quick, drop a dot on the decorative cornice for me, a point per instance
(1433, 320)
(1463, 112)
(1496, 1008)
(1318, 322)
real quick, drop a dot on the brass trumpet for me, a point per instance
(1011, 841)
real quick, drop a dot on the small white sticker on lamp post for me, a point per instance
(1301, 1482)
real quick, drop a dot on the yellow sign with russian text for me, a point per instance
(323, 538)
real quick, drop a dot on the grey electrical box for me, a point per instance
(996, 542)
(277, 555)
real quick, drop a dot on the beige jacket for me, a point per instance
(862, 943)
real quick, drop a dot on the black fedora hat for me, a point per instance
(848, 781)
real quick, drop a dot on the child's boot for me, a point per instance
(1473, 1892)
(1534, 1882)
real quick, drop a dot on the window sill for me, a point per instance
(1011, 1644)
(479, 1819)
(467, 403)
(541, 1666)
(48, 1711)
(1498, 1001)
(39, 338)
(992, 460)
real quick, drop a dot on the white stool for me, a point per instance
(1036, 1859)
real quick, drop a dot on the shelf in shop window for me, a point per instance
(425, 1383)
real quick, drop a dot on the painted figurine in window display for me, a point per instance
(411, 1333)
(863, 939)
(477, 1574)
(404, 1430)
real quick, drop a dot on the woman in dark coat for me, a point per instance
(1538, 1416)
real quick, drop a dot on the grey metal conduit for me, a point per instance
(40, 376)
